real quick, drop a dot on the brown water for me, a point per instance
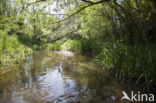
(48, 77)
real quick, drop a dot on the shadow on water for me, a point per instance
(48, 77)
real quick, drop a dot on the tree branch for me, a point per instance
(87, 1)
(66, 35)
(35, 2)
(91, 4)
(51, 14)
(98, 2)
(72, 14)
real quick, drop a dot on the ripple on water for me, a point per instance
(48, 77)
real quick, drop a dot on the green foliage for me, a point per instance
(130, 61)
(71, 45)
(54, 46)
(90, 47)
(131, 25)
(86, 47)
(132, 21)
(11, 50)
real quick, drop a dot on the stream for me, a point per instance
(51, 77)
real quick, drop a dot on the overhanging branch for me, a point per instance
(98, 2)
(72, 14)
(65, 35)
(87, 1)
(35, 2)
(90, 4)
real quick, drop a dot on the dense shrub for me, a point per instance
(11, 50)
(72, 45)
(54, 46)
(90, 47)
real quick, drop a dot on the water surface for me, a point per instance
(49, 77)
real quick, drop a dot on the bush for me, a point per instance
(54, 46)
(11, 50)
(90, 47)
(71, 45)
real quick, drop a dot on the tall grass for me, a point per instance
(138, 61)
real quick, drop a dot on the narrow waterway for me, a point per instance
(51, 77)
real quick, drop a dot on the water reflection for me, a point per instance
(48, 77)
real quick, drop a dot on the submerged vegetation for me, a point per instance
(119, 35)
